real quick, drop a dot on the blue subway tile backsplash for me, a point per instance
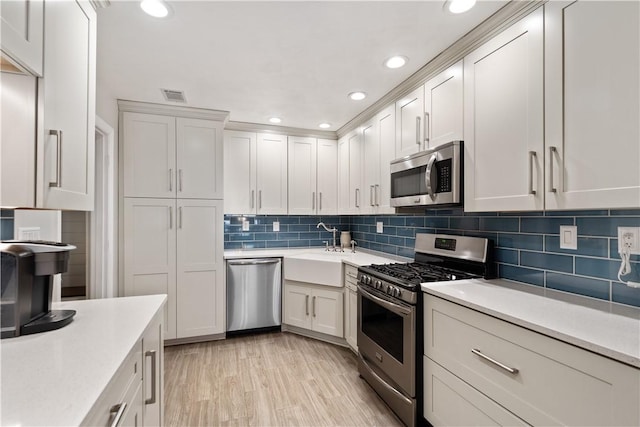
(527, 244)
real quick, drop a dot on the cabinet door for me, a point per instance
(132, 416)
(153, 374)
(69, 106)
(302, 175)
(409, 123)
(371, 173)
(199, 159)
(503, 120)
(592, 104)
(149, 147)
(297, 306)
(349, 174)
(327, 177)
(386, 129)
(200, 267)
(18, 148)
(22, 28)
(271, 174)
(327, 311)
(150, 253)
(239, 172)
(443, 107)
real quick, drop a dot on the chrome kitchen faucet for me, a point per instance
(332, 230)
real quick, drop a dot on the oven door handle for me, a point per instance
(398, 309)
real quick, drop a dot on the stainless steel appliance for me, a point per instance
(254, 289)
(27, 274)
(431, 177)
(390, 320)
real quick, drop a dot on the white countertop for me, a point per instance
(360, 257)
(54, 378)
(609, 329)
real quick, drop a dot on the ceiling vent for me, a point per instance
(173, 95)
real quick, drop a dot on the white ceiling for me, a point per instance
(297, 60)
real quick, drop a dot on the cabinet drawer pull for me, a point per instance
(306, 304)
(154, 357)
(495, 362)
(532, 158)
(552, 151)
(118, 410)
(418, 119)
(58, 182)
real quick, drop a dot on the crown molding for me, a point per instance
(172, 110)
(496, 23)
(281, 130)
(100, 4)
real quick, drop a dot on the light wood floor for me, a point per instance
(269, 379)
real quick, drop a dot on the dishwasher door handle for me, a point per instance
(254, 262)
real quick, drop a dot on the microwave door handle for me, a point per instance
(431, 184)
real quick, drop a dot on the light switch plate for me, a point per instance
(276, 226)
(245, 225)
(379, 227)
(568, 237)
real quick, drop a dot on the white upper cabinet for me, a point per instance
(66, 178)
(409, 123)
(349, 174)
(592, 106)
(22, 33)
(371, 169)
(313, 180)
(378, 145)
(327, 173)
(503, 120)
(443, 107)
(165, 156)
(255, 176)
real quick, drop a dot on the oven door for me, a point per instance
(387, 338)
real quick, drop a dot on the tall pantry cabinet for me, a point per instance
(172, 213)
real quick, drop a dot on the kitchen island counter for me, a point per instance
(608, 329)
(54, 378)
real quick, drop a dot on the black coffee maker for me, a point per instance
(27, 274)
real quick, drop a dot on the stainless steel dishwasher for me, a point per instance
(254, 290)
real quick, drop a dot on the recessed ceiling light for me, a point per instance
(324, 125)
(155, 8)
(459, 6)
(357, 96)
(275, 120)
(396, 61)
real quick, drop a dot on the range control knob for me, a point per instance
(377, 284)
(366, 279)
(398, 293)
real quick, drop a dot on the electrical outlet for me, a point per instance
(629, 237)
(245, 225)
(379, 227)
(568, 237)
(276, 225)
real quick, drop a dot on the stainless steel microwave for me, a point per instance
(430, 177)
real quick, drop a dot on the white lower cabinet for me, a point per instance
(351, 306)
(313, 307)
(175, 247)
(134, 396)
(540, 380)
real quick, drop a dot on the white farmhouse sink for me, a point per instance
(321, 267)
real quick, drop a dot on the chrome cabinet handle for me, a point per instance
(552, 151)
(532, 157)
(170, 180)
(495, 362)
(418, 119)
(371, 195)
(313, 201)
(431, 186)
(170, 217)
(357, 197)
(253, 198)
(179, 179)
(259, 199)
(306, 302)
(427, 129)
(154, 357)
(377, 194)
(180, 217)
(320, 203)
(313, 307)
(58, 182)
(118, 410)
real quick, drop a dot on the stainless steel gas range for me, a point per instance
(390, 320)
